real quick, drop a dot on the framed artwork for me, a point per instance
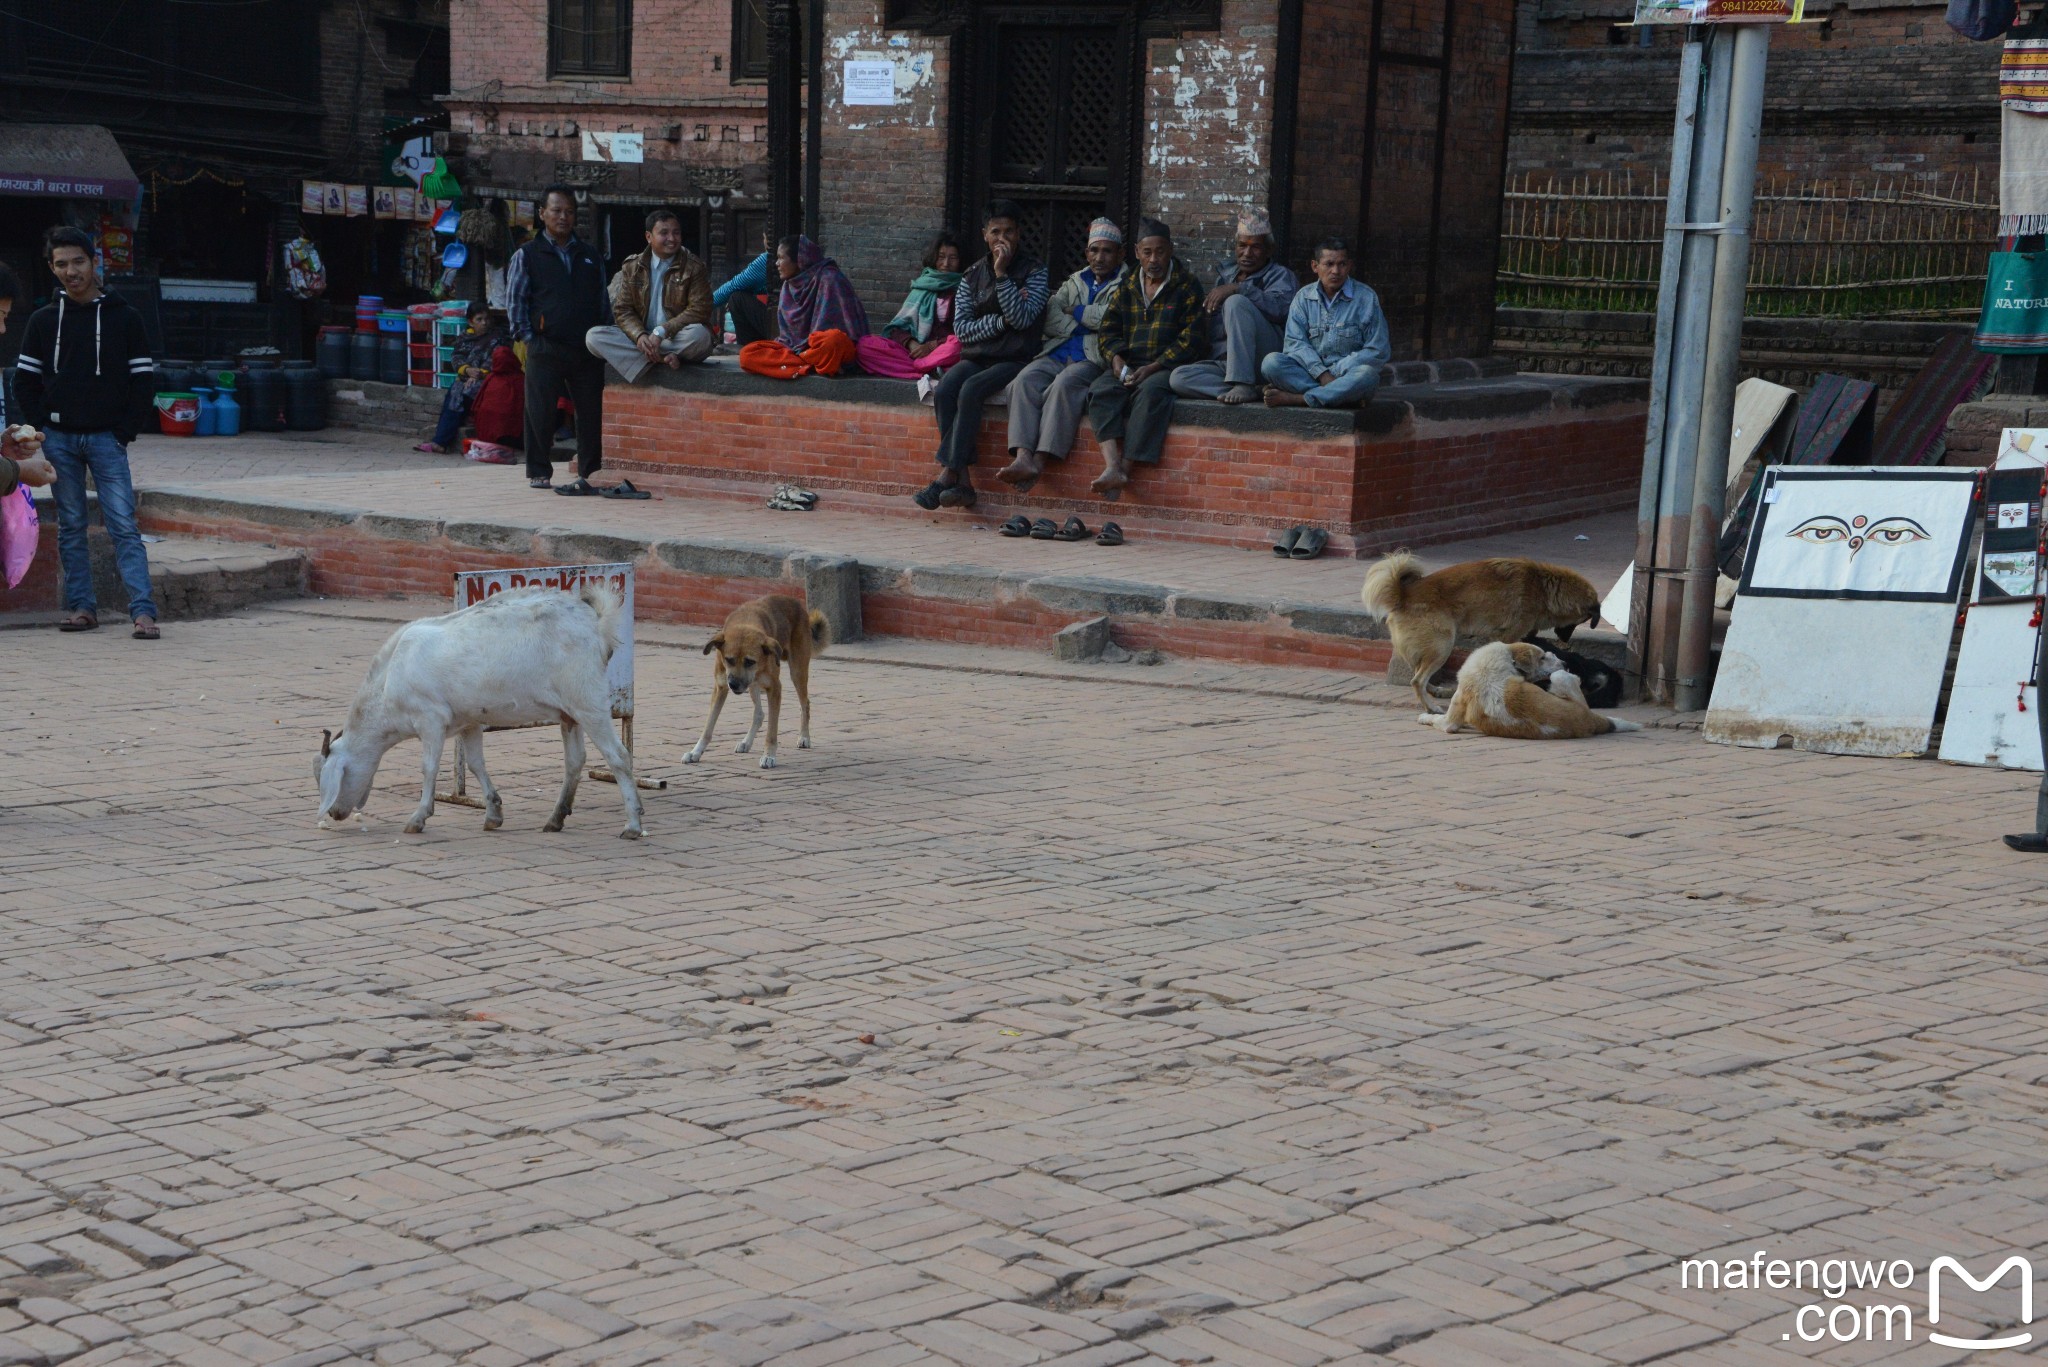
(1887, 534)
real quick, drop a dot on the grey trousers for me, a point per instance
(1249, 339)
(692, 343)
(1046, 403)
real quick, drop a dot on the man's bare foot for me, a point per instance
(1276, 397)
(1111, 481)
(1023, 471)
(1239, 393)
(672, 362)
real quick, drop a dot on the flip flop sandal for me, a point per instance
(959, 496)
(624, 489)
(582, 488)
(1284, 547)
(928, 497)
(1112, 535)
(146, 633)
(783, 503)
(79, 621)
(1074, 530)
(797, 494)
(1311, 543)
(540, 484)
(1019, 525)
(1045, 529)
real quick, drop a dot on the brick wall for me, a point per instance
(1880, 91)
(1208, 130)
(358, 63)
(882, 181)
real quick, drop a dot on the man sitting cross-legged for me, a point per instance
(1048, 398)
(1246, 311)
(1336, 339)
(661, 305)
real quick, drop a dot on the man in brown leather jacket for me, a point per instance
(661, 305)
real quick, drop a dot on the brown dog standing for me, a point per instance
(1503, 599)
(751, 648)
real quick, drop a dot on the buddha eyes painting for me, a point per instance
(1861, 533)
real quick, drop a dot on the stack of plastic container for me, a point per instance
(420, 342)
(368, 306)
(454, 321)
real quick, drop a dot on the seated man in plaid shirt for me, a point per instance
(1154, 322)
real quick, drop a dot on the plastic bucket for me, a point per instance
(177, 414)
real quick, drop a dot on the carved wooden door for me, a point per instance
(1058, 101)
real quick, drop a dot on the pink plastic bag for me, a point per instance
(18, 535)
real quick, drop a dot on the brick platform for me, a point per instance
(1423, 463)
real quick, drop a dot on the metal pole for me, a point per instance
(1665, 565)
(1723, 368)
(1668, 272)
(785, 116)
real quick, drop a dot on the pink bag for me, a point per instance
(18, 535)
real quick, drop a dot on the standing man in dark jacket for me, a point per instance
(998, 314)
(85, 376)
(554, 296)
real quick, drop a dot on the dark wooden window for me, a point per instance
(750, 38)
(590, 37)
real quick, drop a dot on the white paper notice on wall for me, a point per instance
(630, 148)
(870, 82)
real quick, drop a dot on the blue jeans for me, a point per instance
(74, 454)
(1291, 375)
(454, 408)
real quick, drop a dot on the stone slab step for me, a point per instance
(190, 578)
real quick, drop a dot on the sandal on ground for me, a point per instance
(1310, 543)
(146, 629)
(1073, 530)
(1045, 529)
(79, 621)
(797, 494)
(1284, 547)
(1112, 535)
(1018, 525)
(582, 488)
(540, 484)
(959, 496)
(624, 489)
(783, 503)
(928, 497)
(430, 449)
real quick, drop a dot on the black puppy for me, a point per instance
(1601, 684)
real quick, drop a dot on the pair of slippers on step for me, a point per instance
(583, 488)
(1044, 529)
(1301, 543)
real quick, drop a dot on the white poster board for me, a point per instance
(1840, 630)
(869, 82)
(473, 586)
(625, 148)
(1986, 723)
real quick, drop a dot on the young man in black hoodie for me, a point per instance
(86, 378)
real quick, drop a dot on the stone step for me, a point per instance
(189, 577)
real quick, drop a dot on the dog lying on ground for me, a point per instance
(1501, 693)
(751, 648)
(1503, 599)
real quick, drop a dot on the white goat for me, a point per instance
(518, 658)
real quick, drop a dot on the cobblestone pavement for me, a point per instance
(1024, 1020)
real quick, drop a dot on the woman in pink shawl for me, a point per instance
(820, 316)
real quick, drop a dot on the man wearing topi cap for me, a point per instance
(1049, 396)
(1247, 310)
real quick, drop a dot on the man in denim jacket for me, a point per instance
(1336, 339)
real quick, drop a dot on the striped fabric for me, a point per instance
(2023, 75)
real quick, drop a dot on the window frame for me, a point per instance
(741, 74)
(561, 68)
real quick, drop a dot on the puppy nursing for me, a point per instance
(1503, 599)
(1501, 692)
(751, 648)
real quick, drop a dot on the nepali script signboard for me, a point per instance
(1720, 11)
(473, 586)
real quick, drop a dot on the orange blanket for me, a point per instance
(825, 353)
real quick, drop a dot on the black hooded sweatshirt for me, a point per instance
(86, 368)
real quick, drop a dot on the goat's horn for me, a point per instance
(326, 742)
